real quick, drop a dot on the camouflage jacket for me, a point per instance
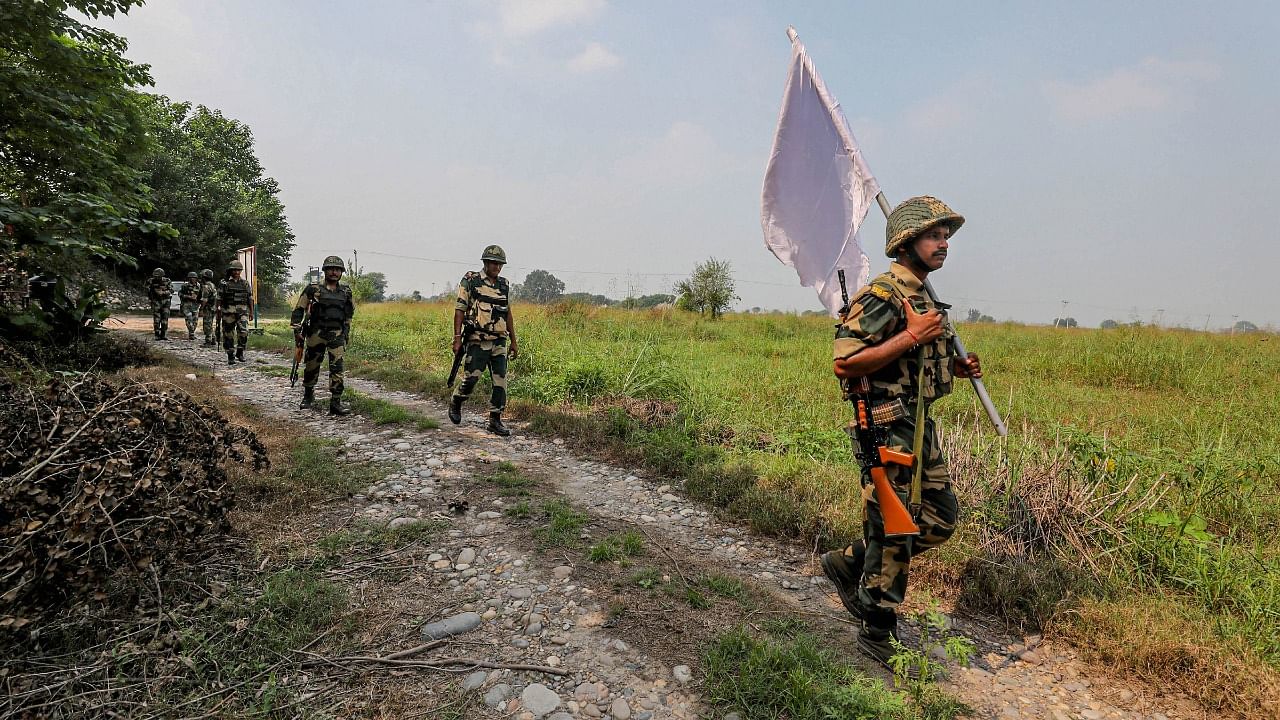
(483, 303)
(876, 314)
(190, 292)
(208, 294)
(159, 289)
(327, 309)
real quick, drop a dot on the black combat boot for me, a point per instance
(308, 398)
(240, 354)
(879, 629)
(164, 333)
(455, 409)
(495, 425)
(191, 336)
(337, 408)
(231, 358)
(845, 572)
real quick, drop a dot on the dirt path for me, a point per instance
(629, 649)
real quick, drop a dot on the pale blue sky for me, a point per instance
(1120, 156)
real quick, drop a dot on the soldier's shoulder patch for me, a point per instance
(880, 291)
(471, 275)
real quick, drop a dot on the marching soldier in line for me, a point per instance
(208, 303)
(893, 335)
(327, 308)
(235, 302)
(158, 292)
(190, 296)
(482, 323)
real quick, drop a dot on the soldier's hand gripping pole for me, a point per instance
(978, 387)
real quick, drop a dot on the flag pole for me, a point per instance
(978, 387)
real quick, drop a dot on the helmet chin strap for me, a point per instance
(912, 259)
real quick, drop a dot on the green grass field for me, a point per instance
(1140, 462)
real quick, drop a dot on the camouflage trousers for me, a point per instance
(482, 355)
(235, 327)
(159, 316)
(190, 313)
(206, 321)
(318, 344)
(884, 576)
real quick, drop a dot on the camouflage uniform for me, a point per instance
(190, 296)
(483, 303)
(208, 303)
(330, 312)
(235, 299)
(158, 292)
(871, 575)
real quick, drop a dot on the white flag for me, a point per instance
(817, 188)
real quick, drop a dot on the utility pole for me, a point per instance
(1063, 314)
(1159, 316)
(1206, 322)
(1233, 324)
(355, 263)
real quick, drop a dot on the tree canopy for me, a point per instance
(709, 289)
(540, 286)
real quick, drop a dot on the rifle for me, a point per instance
(217, 325)
(457, 356)
(298, 339)
(869, 434)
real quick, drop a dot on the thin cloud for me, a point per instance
(594, 58)
(523, 18)
(1152, 85)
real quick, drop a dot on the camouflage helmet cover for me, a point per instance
(192, 274)
(494, 253)
(235, 265)
(333, 261)
(158, 272)
(915, 216)
(206, 274)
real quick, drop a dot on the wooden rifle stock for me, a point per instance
(897, 520)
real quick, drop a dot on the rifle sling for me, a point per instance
(917, 442)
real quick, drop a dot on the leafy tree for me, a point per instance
(369, 287)
(71, 131)
(416, 296)
(709, 289)
(977, 316)
(207, 182)
(1109, 324)
(1065, 322)
(587, 298)
(542, 287)
(1244, 326)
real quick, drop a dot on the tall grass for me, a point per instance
(1152, 452)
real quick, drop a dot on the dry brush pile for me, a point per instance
(99, 479)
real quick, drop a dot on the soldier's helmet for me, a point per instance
(207, 274)
(235, 265)
(333, 261)
(158, 272)
(192, 275)
(494, 253)
(915, 216)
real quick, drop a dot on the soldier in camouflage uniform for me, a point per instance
(190, 296)
(158, 292)
(482, 322)
(891, 327)
(208, 303)
(235, 302)
(327, 309)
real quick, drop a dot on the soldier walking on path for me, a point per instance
(482, 323)
(208, 302)
(893, 335)
(235, 302)
(190, 297)
(159, 291)
(322, 319)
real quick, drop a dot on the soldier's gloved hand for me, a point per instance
(968, 367)
(923, 328)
